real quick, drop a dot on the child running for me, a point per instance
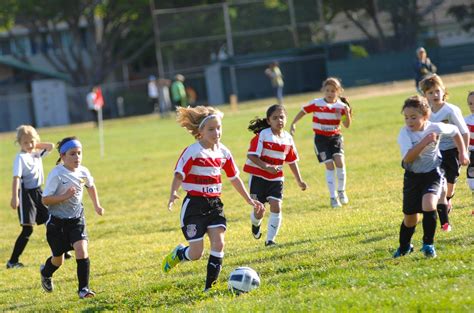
(66, 227)
(198, 171)
(269, 149)
(442, 111)
(28, 177)
(328, 142)
(423, 178)
(470, 125)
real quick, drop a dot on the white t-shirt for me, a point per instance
(59, 180)
(470, 125)
(430, 157)
(449, 114)
(29, 167)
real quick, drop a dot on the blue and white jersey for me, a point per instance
(430, 157)
(449, 114)
(29, 167)
(59, 180)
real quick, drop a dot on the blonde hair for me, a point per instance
(418, 103)
(191, 118)
(26, 130)
(431, 81)
(334, 82)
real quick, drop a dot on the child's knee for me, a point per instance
(195, 254)
(57, 260)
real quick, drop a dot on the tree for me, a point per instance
(86, 39)
(464, 14)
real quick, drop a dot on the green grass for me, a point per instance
(327, 259)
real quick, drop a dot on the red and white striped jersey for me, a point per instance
(201, 169)
(470, 125)
(272, 149)
(326, 116)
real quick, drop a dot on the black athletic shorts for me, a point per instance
(450, 164)
(470, 167)
(200, 213)
(416, 185)
(328, 146)
(31, 209)
(262, 189)
(63, 233)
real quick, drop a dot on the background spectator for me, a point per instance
(423, 67)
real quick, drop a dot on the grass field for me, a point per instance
(327, 259)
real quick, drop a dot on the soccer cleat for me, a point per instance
(46, 282)
(429, 251)
(343, 197)
(269, 243)
(256, 232)
(446, 227)
(86, 293)
(14, 265)
(171, 260)
(401, 252)
(335, 203)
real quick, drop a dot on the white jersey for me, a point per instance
(449, 114)
(60, 179)
(430, 157)
(29, 167)
(470, 125)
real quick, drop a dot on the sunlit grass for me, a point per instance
(327, 259)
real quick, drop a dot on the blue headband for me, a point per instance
(69, 145)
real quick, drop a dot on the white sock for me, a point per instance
(274, 223)
(341, 178)
(255, 221)
(330, 183)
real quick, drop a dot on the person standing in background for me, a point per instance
(274, 73)
(423, 67)
(178, 92)
(153, 94)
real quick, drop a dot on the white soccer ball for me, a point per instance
(243, 279)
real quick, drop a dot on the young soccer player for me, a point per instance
(198, 171)
(28, 177)
(328, 142)
(269, 149)
(66, 227)
(470, 125)
(442, 111)
(423, 179)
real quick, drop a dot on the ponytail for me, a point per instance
(257, 125)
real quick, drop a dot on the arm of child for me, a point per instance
(273, 169)
(348, 117)
(414, 152)
(295, 120)
(296, 172)
(92, 191)
(51, 200)
(239, 186)
(463, 156)
(15, 201)
(177, 181)
(48, 146)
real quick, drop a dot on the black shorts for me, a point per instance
(450, 164)
(31, 209)
(416, 185)
(328, 146)
(63, 233)
(262, 189)
(470, 167)
(200, 213)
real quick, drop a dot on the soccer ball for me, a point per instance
(243, 279)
